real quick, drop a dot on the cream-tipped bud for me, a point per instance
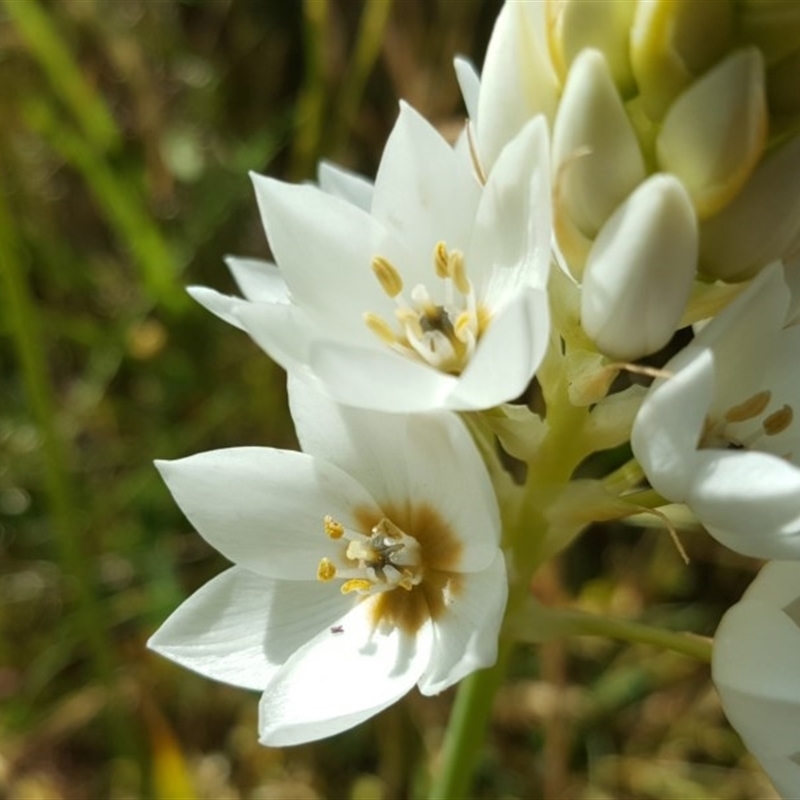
(672, 43)
(596, 157)
(640, 270)
(714, 133)
(601, 24)
(762, 222)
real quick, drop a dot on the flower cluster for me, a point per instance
(628, 169)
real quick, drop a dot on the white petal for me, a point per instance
(221, 305)
(378, 378)
(343, 183)
(341, 678)
(749, 500)
(470, 84)
(368, 445)
(743, 336)
(324, 247)
(507, 355)
(265, 508)
(517, 82)
(756, 669)
(282, 330)
(510, 246)
(784, 772)
(777, 584)
(258, 280)
(669, 424)
(446, 471)
(465, 638)
(241, 627)
(424, 194)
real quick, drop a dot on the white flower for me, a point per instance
(756, 669)
(427, 292)
(720, 434)
(363, 566)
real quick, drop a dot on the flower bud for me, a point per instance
(772, 25)
(783, 86)
(518, 82)
(714, 133)
(640, 270)
(759, 225)
(602, 25)
(672, 43)
(596, 157)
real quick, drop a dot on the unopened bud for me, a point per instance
(640, 271)
(596, 157)
(714, 133)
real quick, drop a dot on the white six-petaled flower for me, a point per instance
(363, 566)
(425, 291)
(756, 669)
(719, 433)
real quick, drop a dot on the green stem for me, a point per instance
(541, 624)
(466, 731)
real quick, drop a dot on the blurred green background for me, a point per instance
(128, 128)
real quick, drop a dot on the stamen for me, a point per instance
(439, 329)
(750, 408)
(458, 272)
(380, 327)
(778, 421)
(333, 528)
(387, 275)
(441, 260)
(326, 571)
(356, 585)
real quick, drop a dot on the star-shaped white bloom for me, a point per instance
(428, 291)
(756, 669)
(363, 566)
(719, 434)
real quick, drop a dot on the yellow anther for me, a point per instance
(356, 585)
(326, 571)
(441, 260)
(333, 528)
(380, 327)
(458, 272)
(778, 421)
(750, 408)
(387, 275)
